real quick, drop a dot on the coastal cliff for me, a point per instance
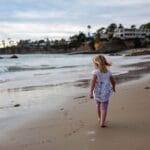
(111, 46)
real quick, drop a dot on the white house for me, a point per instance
(125, 33)
(8, 43)
(104, 36)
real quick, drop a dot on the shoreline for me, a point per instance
(141, 69)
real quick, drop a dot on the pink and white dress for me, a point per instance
(102, 90)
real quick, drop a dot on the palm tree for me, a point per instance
(47, 43)
(120, 26)
(89, 27)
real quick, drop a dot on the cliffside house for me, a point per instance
(125, 33)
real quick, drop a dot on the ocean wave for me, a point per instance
(34, 87)
(3, 69)
(18, 68)
(26, 68)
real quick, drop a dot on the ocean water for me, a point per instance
(46, 69)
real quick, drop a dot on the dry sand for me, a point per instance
(74, 125)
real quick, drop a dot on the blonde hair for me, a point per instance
(101, 62)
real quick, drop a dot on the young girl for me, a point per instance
(102, 84)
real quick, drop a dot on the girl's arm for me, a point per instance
(93, 81)
(113, 83)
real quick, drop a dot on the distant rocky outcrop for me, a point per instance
(112, 46)
(115, 45)
(14, 56)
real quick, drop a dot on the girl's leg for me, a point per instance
(99, 110)
(104, 106)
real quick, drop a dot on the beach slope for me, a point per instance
(74, 126)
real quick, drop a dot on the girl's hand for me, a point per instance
(91, 95)
(93, 81)
(114, 90)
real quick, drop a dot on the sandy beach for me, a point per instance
(74, 124)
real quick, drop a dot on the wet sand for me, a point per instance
(135, 52)
(74, 124)
(140, 69)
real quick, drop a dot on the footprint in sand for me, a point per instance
(62, 109)
(45, 141)
(81, 99)
(42, 141)
(72, 132)
(74, 127)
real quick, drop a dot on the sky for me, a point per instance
(55, 19)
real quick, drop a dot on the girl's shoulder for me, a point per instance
(95, 71)
(98, 72)
(109, 72)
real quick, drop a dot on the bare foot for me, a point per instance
(103, 126)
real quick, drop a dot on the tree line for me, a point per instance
(74, 41)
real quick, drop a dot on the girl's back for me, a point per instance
(102, 77)
(102, 90)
